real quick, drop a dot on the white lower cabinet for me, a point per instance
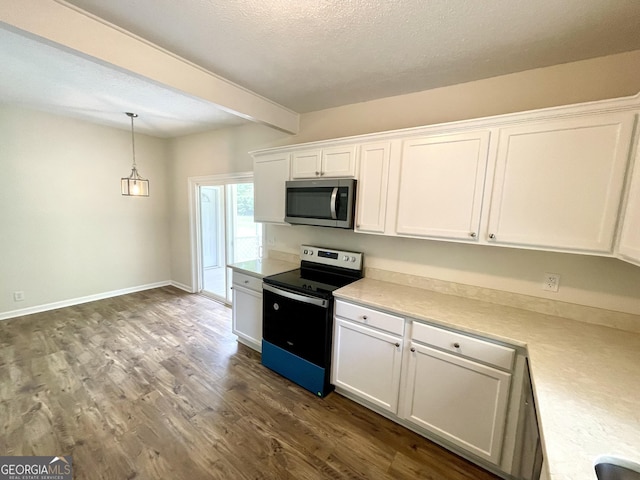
(247, 310)
(460, 400)
(446, 385)
(367, 363)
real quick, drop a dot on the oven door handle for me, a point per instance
(334, 199)
(320, 302)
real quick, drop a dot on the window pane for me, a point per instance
(246, 237)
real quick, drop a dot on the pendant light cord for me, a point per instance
(133, 141)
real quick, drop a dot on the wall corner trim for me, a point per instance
(182, 286)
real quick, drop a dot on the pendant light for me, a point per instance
(134, 185)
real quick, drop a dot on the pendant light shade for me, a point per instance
(134, 185)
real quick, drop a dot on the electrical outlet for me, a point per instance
(18, 296)
(551, 282)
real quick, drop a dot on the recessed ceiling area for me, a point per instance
(298, 56)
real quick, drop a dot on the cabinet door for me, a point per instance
(457, 399)
(371, 199)
(629, 246)
(441, 186)
(367, 362)
(529, 458)
(558, 184)
(338, 161)
(270, 173)
(247, 316)
(306, 164)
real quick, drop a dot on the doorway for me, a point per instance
(225, 232)
(212, 228)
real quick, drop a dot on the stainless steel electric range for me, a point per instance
(297, 326)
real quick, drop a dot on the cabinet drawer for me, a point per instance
(481, 350)
(247, 281)
(373, 318)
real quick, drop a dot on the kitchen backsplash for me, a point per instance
(582, 313)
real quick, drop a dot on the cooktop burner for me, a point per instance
(309, 281)
(322, 271)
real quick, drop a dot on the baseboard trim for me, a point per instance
(182, 286)
(89, 298)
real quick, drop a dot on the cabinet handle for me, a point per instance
(246, 281)
(317, 173)
(456, 345)
(364, 317)
(472, 234)
(397, 345)
(321, 173)
(492, 236)
(413, 349)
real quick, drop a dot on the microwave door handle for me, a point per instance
(334, 199)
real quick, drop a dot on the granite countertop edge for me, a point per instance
(263, 267)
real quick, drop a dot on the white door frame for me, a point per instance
(194, 184)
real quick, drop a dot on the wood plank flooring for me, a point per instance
(153, 385)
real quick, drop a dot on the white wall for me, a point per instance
(209, 153)
(576, 82)
(585, 280)
(594, 281)
(65, 230)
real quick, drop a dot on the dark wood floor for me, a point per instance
(153, 385)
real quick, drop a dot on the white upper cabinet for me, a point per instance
(325, 162)
(551, 179)
(270, 172)
(629, 244)
(558, 183)
(371, 198)
(306, 164)
(441, 186)
(339, 161)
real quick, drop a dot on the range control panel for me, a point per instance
(335, 258)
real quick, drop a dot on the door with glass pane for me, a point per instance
(212, 221)
(228, 234)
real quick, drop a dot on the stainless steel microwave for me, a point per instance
(326, 203)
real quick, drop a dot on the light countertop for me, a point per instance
(263, 267)
(586, 377)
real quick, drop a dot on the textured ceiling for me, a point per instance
(51, 79)
(307, 54)
(314, 54)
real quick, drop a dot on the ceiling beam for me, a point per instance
(61, 24)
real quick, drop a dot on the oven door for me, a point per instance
(300, 324)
